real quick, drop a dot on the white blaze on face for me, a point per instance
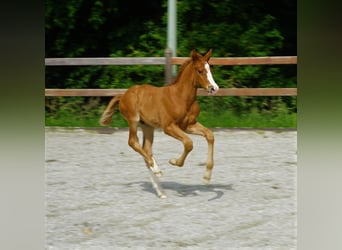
(210, 78)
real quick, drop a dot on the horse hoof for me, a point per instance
(206, 180)
(173, 162)
(162, 196)
(158, 174)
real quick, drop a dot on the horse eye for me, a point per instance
(200, 71)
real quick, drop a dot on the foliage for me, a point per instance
(133, 28)
(83, 112)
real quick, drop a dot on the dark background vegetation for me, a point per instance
(232, 28)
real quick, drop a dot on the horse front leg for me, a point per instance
(174, 131)
(199, 129)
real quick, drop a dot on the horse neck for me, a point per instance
(184, 85)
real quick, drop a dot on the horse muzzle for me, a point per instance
(212, 89)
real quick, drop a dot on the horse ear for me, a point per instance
(194, 55)
(208, 55)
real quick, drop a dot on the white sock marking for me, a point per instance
(156, 184)
(155, 168)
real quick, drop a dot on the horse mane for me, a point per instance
(183, 66)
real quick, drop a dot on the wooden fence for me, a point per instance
(168, 61)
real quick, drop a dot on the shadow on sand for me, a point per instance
(188, 189)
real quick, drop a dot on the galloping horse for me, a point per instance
(173, 108)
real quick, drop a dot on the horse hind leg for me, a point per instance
(156, 184)
(148, 134)
(134, 143)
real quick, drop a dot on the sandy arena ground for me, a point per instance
(99, 196)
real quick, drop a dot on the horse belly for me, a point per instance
(150, 114)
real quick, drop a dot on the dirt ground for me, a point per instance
(99, 196)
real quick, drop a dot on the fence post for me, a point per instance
(168, 66)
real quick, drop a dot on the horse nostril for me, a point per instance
(211, 88)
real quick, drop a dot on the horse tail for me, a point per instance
(107, 115)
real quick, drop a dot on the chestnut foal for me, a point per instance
(173, 108)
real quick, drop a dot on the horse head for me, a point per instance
(203, 76)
